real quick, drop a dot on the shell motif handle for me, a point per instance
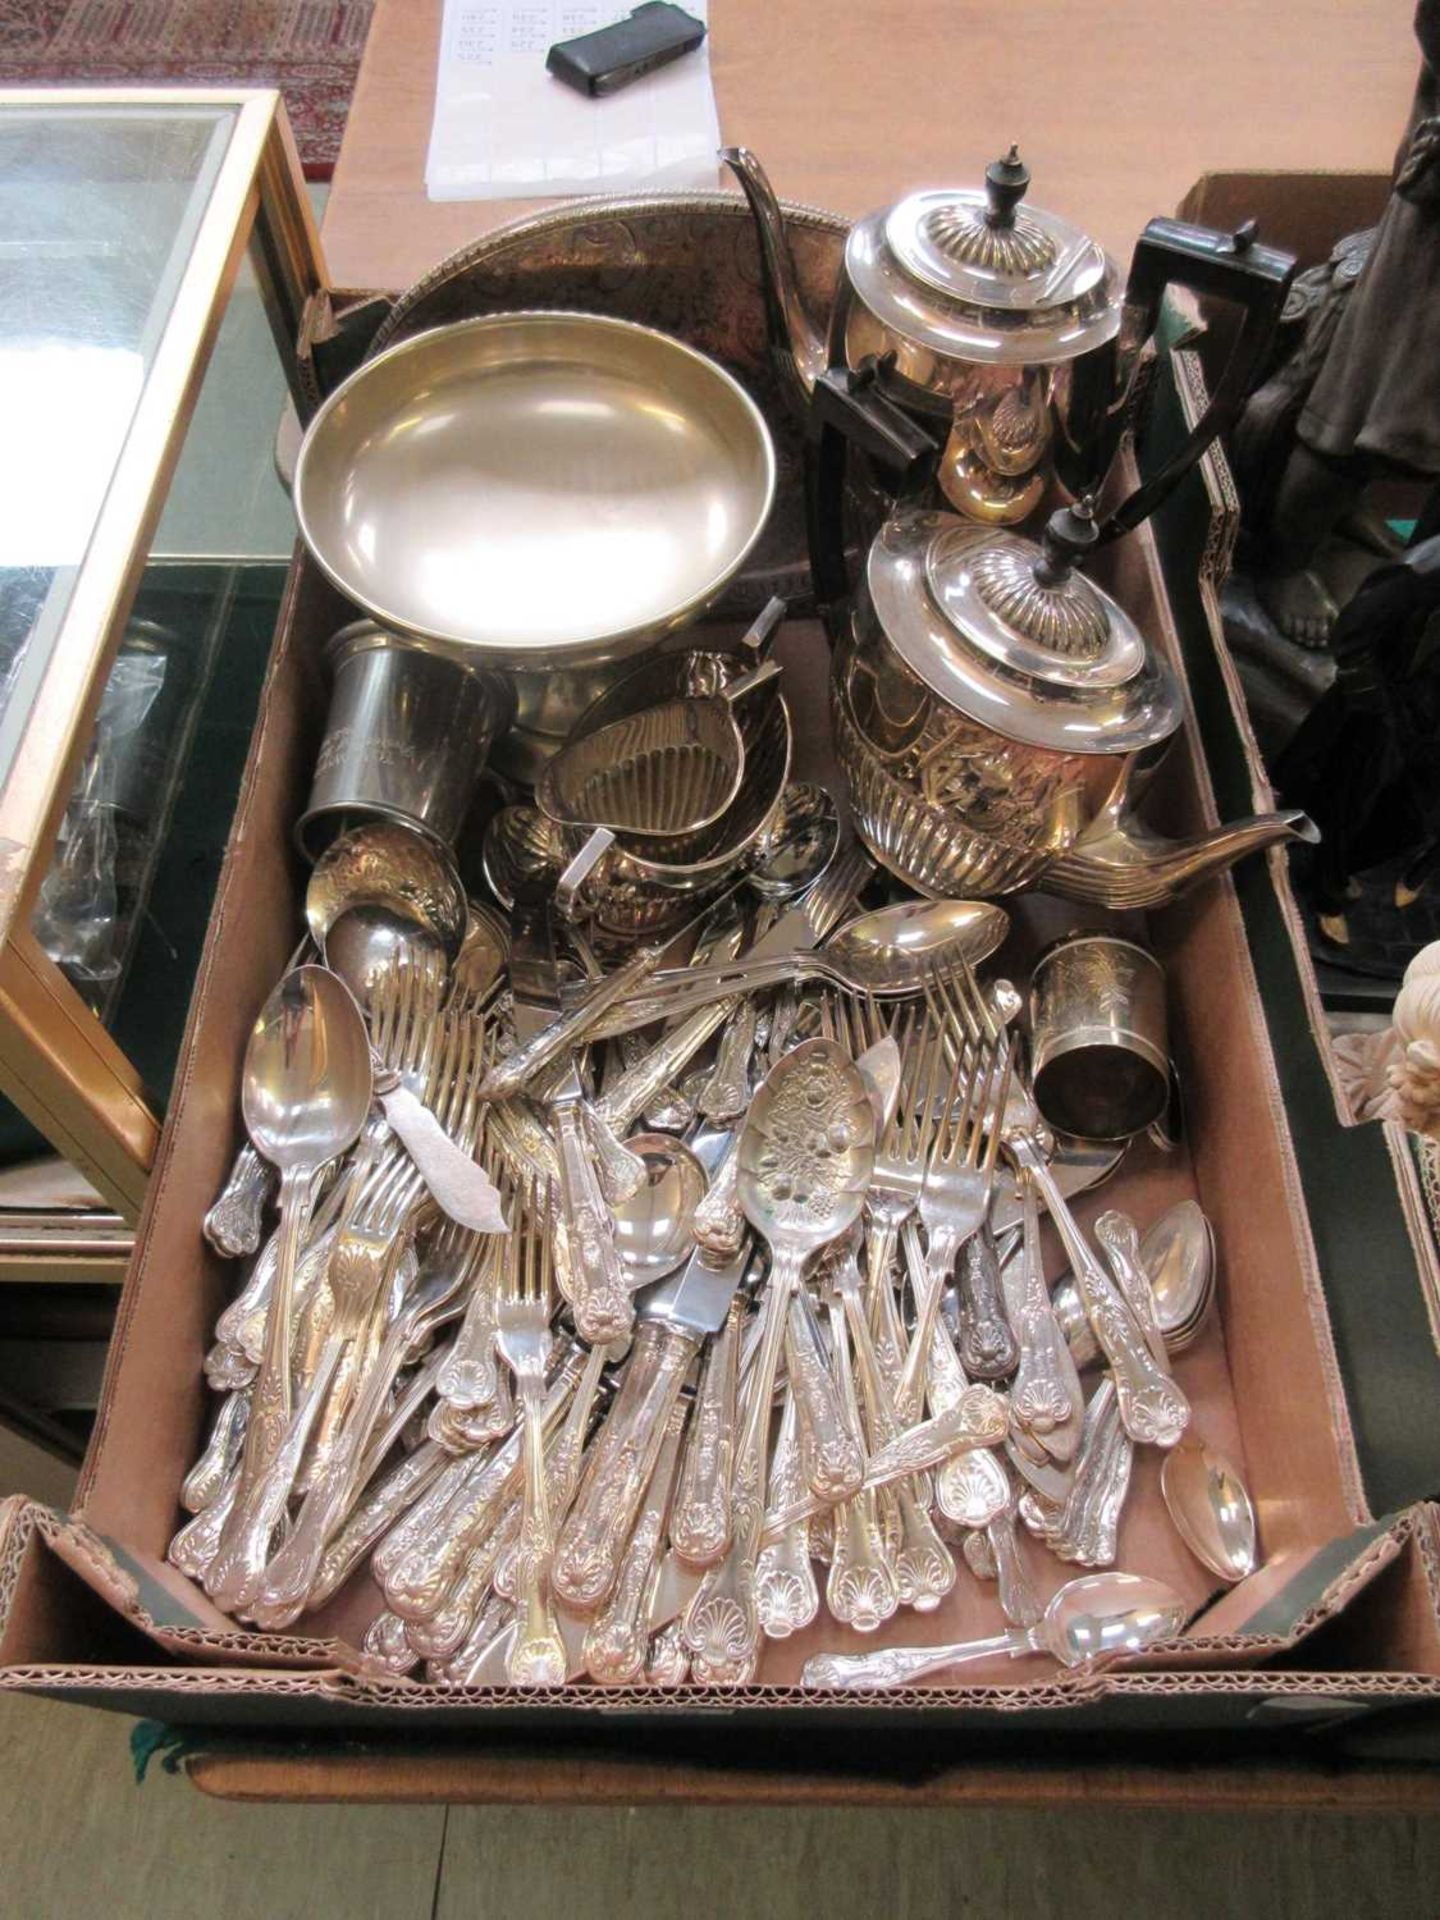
(987, 1345)
(469, 1376)
(1154, 1410)
(719, 1224)
(785, 1592)
(924, 1565)
(726, 1093)
(618, 1637)
(1046, 1397)
(700, 1521)
(537, 1654)
(234, 1223)
(721, 1628)
(899, 1666)
(835, 1457)
(658, 1065)
(863, 1589)
(600, 1298)
(619, 1465)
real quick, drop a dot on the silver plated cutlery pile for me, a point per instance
(790, 1353)
(645, 1265)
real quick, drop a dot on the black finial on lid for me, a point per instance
(1005, 184)
(1070, 534)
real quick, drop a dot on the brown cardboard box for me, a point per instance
(1344, 1616)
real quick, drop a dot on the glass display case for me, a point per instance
(157, 250)
(133, 229)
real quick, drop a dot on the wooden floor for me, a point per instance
(78, 1837)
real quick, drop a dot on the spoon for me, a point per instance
(482, 957)
(305, 1095)
(1212, 1511)
(366, 944)
(904, 944)
(791, 856)
(1098, 1614)
(1178, 1255)
(653, 1227)
(805, 1157)
(383, 864)
(801, 840)
(889, 953)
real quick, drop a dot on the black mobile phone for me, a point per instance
(603, 62)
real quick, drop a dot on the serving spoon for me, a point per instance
(1100, 1613)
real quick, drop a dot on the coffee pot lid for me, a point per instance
(980, 274)
(1010, 633)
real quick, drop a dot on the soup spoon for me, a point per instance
(888, 953)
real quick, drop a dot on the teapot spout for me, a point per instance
(796, 341)
(1119, 862)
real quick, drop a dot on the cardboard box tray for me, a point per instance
(1335, 1639)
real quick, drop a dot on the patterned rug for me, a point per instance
(310, 49)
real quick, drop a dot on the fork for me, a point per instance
(824, 905)
(523, 1310)
(469, 1376)
(359, 1261)
(1153, 1410)
(292, 1573)
(900, 1157)
(959, 1171)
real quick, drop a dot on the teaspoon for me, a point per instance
(1212, 1511)
(1100, 1613)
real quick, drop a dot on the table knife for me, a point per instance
(601, 1298)
(674, 1315)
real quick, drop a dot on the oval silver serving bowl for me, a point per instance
(544, 489)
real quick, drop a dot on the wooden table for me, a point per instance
(1118, 110)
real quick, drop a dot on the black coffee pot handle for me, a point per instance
(1225, 266)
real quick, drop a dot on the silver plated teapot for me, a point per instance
(1011, 325)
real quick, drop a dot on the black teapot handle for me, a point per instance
(1226, 266)
(848, 412)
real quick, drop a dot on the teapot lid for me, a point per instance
(1006, 631)
(979, 274)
